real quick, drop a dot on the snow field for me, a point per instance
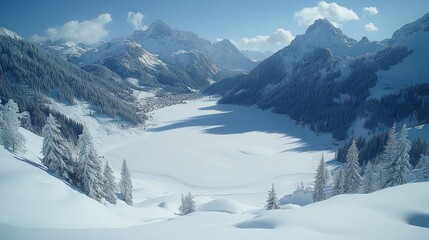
(227, 157)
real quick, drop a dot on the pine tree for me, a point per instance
(272, 201)
(109, 185)
(12, 139)
(89, 167)
(188, 205)
(389, 151)
(369, 178)
(320, 182)
(424, 161)
(2, 124)
(378, 169)
(56, 153)
(338, 183)
(395, 170)
(352, 178)
(125, 184)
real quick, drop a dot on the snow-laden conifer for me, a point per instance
(187, 205)
(57, 155)
(2, 124)
(424, 163)
(12, 139)
(320, 182)
(395, 171)
(369, 183)
(352, 178)
(109, 184)
(125, 184)
(272, 200)
(389, 151)
(338, 183)
(90, 174)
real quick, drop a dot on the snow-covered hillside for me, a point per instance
(69, 50)
(412, 70)
(164, 41)
(257, 56)
(323, 33)
(227, 156)
(11, 34)
(330, 82)
(227, 56)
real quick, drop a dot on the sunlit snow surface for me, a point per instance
(227, 156)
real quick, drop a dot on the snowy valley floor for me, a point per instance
(227, 156)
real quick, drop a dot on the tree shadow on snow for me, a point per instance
(43, 168)
(231, 119)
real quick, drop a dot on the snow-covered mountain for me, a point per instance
(125, 53)
(257, 56)
(160, 39)
(9, 33)
(164, 41)
(415, 68)
(130, 60)
(152, 58)
(31, 77)
(67, 49)
(196, 64)
(323, 77)
(323, 33)
(227, 56)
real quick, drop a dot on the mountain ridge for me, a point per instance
(292, 78)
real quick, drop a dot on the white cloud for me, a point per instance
(136, 18)
(370, 27)
(88, 31)
(370, 10)
(277, 40)
(331, 11)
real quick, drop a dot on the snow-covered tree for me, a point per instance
(56, 152)
(2, 124)
(109, 184)
(272, 201)
(424, 163)
(125, 184)
(369, 183)
(352, 178)
(188, 204)
(389, 151)
(378, 169)
(89, 167)
(395, 170)
(12, 139)
(338, 183)
(320, 181)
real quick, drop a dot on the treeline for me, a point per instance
(374, 146)
(409, 102)
(27, 73)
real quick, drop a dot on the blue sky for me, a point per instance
(258, 25)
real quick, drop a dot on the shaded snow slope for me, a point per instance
(35, 199)
(414, 69)
(395, 213)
